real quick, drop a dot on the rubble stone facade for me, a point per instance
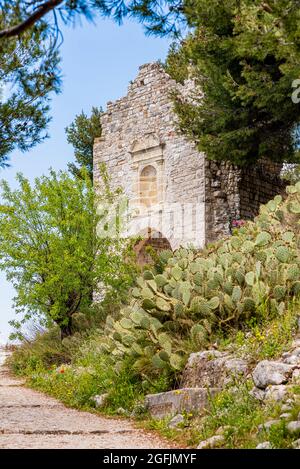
(176, 196)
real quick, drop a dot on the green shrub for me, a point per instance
(44, 350)
(266, 339)
(252, 274)
(91, 374)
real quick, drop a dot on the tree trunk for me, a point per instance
(66, 330)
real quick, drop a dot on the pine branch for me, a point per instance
(41, 11)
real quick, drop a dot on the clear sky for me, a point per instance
(98, 61)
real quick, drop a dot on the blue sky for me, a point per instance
(98, 61)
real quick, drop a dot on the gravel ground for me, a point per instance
(30, 419)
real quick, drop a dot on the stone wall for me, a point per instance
(222, 201)
(139, 132)
(258, 185)
(172, 189)
(236, 194)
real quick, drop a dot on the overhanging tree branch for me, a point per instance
(41, 11)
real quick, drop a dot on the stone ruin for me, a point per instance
(176, 197)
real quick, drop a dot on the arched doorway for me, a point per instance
(152, 238)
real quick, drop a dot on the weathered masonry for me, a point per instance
(176, 196)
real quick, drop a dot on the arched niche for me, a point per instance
(147, 168)
(153, 238)
(148, 186)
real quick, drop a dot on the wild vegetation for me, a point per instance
(30, 40)
(55, 247)
(240, 294)
(81, 135)
(250, 276)
(244, 58)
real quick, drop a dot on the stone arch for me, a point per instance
(148, 186)
(153, 238)
(145, 143)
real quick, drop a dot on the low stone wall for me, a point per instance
(222, 201)
(233, 193)
(258, 185)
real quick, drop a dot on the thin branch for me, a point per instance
(41, 11)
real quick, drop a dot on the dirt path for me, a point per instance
(29, 419)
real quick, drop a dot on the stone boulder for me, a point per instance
(264, 445)
(215, 441)
(99, 400)
(177, 421)
(268, 425)
(296, 444)
(258, 394)
(293, 428)
(278, 393)
(212, 368)
(271, 373)
(180, 400)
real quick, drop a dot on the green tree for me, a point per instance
(56, 245)
(22, 15)
(29, 73)
(244, 55)
(81, 135)
(30, 37)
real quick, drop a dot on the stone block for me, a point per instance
(212, 368)
(271, 372)
(180, 400)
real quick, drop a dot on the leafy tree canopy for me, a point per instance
(30, 36)
(20, 15)
(56, 246)
(29, 72)
(244, 55)
(81, 135)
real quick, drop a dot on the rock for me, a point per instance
(267, 425)
(138, 410)
(290, 401)
(178, 401)
(258, 394)
(213, 442)
(296, 352)
(264, 445)
(286, 407)
(292, 357)
(122, 411)
(176, 421)
(236, 367)
(99, 399)
(277, 393)
(212, 368)
(296, 399)
(293, 427)
(286, 416)
(296, 341)
(296, 375)
(268, 372)
(296, 444)
(292, 360)
(222, 430)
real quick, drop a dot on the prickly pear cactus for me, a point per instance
(253, 273)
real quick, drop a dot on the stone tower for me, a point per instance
(176, 197)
